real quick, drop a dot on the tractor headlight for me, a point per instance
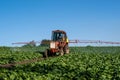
(52, 44)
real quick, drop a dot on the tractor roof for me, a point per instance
(59, 31)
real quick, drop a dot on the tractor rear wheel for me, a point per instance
(61, 52)
(45, 54)
(66, 49)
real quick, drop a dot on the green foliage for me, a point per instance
(45, 42)
(30, 44)
(4, 50)
(83, 63)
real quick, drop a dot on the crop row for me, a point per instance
(90, 63)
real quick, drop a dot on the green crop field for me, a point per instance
(83, 63)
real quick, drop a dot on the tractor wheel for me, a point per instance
(45, 54)
(61, 52)
(66, 49)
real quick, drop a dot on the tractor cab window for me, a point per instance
(56, 36)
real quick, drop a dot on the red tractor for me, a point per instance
(58, 44)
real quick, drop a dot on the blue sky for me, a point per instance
(26, 20)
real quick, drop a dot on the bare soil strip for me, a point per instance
(10, 65)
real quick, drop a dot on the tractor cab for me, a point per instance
(59, 35)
